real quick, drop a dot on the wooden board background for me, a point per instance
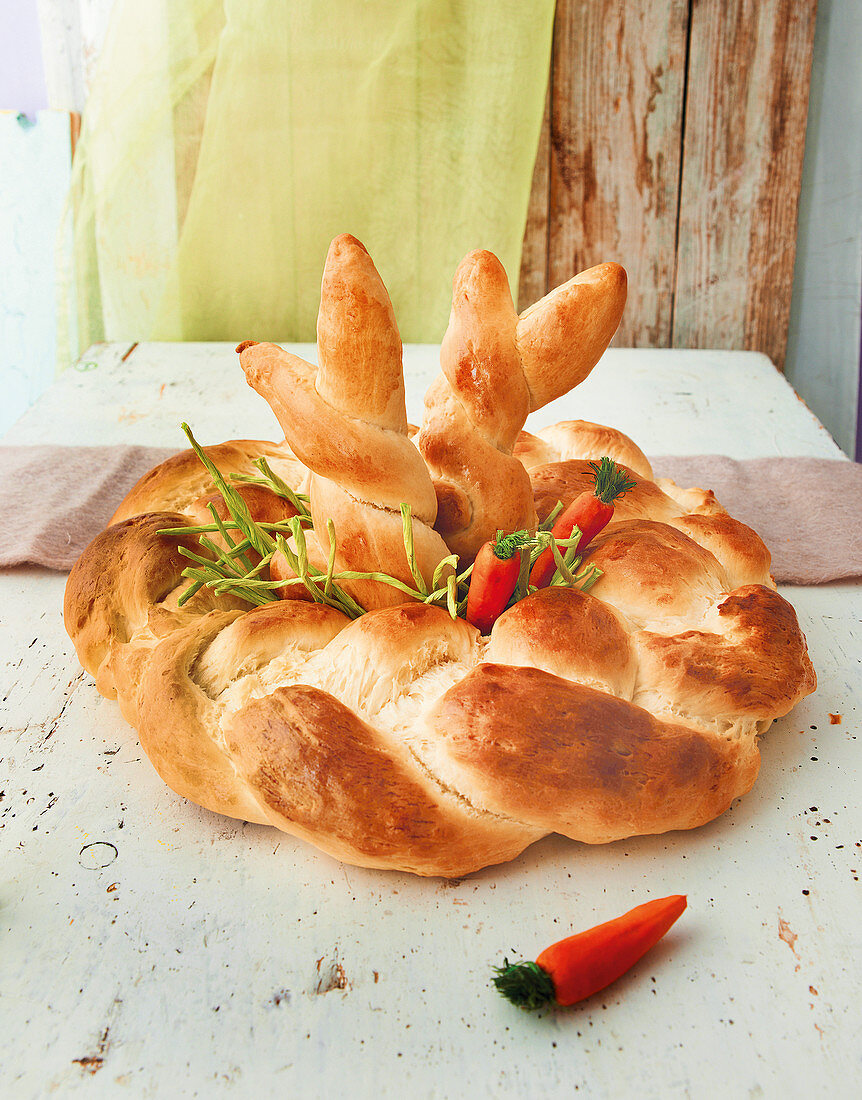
(673, 142)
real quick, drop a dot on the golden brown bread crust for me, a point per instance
(571, 634)
(374, 806)
(403, 739)
(352, 288)
(346, 420)
(475, 480)
(563, 481)
(584, 440)
(496, 368)
(371, 462)
(366, 536)
(563, 335)
(177, 718)
(127, 572)
(174, 722)
(654, 574)
(606, 769)
(739, 549)
(175, 484)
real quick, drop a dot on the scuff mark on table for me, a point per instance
(331, 977)
(786, 933)
(92, 1063)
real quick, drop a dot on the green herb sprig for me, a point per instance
(230, 569)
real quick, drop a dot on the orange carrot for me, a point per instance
(493, 580)
(589, 512)
(581, 965)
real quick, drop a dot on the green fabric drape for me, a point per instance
(225, 143)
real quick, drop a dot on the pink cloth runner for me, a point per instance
(54, 500)
(807, 510)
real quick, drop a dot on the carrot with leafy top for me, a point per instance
(581, 965)
(493, 580)
(589, 512)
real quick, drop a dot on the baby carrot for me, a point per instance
(581, 965)
(493, 580)
(589, 512)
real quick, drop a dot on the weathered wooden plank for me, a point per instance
(533, 283)
(744, 142)
(616, 117)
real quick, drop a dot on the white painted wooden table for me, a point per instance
(150, 948)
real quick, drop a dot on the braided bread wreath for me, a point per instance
(403, 739)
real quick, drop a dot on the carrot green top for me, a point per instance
(507, 546)
(525, 984)
(612, 481)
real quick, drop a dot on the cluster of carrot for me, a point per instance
(498, 564)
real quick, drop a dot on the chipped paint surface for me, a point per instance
(153, 947)
(786, 933)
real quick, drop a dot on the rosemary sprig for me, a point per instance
(563, 570)
(522, 588)
(447, 562)
(235, 551)
(452, 596)
(330, 565)
(275, 484)
(259, 539)
(331, 593)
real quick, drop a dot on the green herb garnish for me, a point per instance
(231, 570)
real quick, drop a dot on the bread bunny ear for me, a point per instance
(563, 336)
(358, 345)
(496, 368)
(474, 411)
(345, 419)
(479, 355)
